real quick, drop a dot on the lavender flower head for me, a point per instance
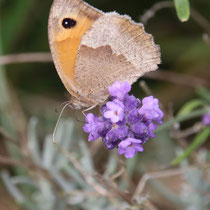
(206, 119)
(126, 123)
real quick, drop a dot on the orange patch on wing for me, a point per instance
(67, 44)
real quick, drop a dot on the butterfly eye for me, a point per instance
(68, 23)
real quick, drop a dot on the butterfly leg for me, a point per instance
(88, 109)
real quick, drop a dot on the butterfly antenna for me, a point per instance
(57, 123)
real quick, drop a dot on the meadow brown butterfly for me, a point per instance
(92, 49)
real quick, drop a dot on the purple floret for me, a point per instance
(150, 109)
(131, 102)
(115, 111)
(129, 147)
(119, 90)
(96, 126)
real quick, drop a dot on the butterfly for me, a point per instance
(92, 49)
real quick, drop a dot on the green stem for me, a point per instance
(199, 140)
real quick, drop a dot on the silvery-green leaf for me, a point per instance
(76, 177)
(65, 184)
(66, 136)
(33, 142)
(86, 159)
(49, 152)
(19, 180)
(45, 198)
(12, 189)
(111, 165)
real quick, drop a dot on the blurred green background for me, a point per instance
(31, 92)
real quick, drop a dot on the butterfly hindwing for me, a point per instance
(114, 48)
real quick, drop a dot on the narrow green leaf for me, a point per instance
(182, 9)
(204, 93)
(190, 106)
(199, 139)
(12, 188)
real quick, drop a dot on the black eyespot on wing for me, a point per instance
(68, 23)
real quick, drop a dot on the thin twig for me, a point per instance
(145, 88)
(179, 119)
(155, 8)
(7, 137)
(12, 162)
(177, 78)
(206, 39)
(189, 131)
(25, 58)
(200, 20)
(118, 174)
(196, 16)
(160, 174)
(180, 79)
(150, 206)
(112, 187)
(80, 193)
